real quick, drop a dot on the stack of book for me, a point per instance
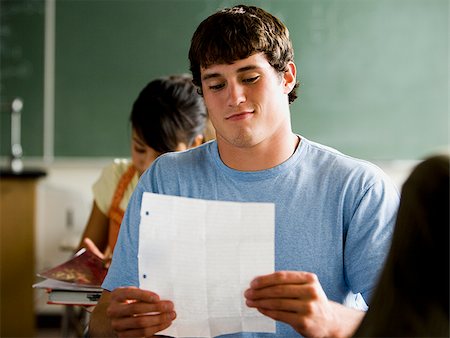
(76, 281)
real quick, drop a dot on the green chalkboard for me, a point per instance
(21, 72)
(373, 73)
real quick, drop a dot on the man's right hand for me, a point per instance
(132, 312)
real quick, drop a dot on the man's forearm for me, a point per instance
(347, 320)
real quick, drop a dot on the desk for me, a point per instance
(17, 263)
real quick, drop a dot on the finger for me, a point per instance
(125, 294)
(108, 253)
(107, 262)
(284, 305)
(285, 316)
(144, 309)
(107, 257)
(297, 291)
(144, 332)
(90, 245)
(147, 332)
(303, 324)
(142, 326)
(283, 277)
(137, 309)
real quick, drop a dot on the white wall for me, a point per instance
(64, 201)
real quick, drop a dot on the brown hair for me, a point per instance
(237, 33)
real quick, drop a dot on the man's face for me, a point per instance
(247, 100)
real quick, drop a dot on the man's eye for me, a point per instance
(216, 87)
(251, 79)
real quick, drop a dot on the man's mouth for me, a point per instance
(239, 116)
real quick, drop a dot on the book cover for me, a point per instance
(84, 268)
(53, 284)
(73, 297)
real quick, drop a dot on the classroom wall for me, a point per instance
(373, 73)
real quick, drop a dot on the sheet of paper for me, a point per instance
(202, 255)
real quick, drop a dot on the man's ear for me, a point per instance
(289, 77)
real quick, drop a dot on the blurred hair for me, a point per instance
(412, 297)
(236, 33)
(169, 111)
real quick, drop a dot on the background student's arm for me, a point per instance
(96, 229)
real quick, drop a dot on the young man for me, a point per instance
(334, 214)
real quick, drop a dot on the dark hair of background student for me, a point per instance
(163, 131)
(412, 297)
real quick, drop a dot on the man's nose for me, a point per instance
(236, 94)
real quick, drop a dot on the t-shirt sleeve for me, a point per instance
(369, 236)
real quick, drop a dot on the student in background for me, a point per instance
(412, 297)
(333, 214)
(168, 115)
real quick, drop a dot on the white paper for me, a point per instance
(202, 255)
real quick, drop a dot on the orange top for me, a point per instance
(115, 213)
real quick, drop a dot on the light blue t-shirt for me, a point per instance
(334, 214)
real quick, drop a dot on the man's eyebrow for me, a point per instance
(210, 76)
(239, 70)
(246, 68)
